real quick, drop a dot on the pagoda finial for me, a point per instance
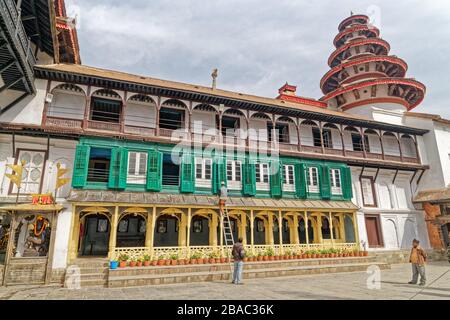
(351, 13)
(214, 75)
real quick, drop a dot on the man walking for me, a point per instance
(418, 258)
(238, 254)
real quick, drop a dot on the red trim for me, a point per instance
(410, 82)
(287, 87)
(339, 36)
(376, 100)
(338, 68)
(355, 17)
(367, 75)
(378, 41)
(296, 99)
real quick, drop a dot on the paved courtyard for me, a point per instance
(328, 286)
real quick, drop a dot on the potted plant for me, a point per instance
(195, 257)
(146, 260)
(365, 253)
(174, 259)
(154, 263)
(260, 256)
(161, 260)
(270, 253)
(139, 262)
(113, 264)
(123, 258)
(133, 262)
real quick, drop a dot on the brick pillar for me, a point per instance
(434, 234)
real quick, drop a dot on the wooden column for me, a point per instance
(298, 135)
(252, 224)
(150, 228)
(305, 217)
(220, 128)
(319, 229)
(321, 137)
(12, 236)
(331, 228)
(363, 142)
(417, 149)
(51, 249)
(113, 233)
(280, 230)
(158, 108)
(381, 144)
(243, 233)
(269, 229)
(87, 107)
(342, 227)
(188, 236)
(182, 228)
(294, 231)
(342, 139)
(122, 113)
(213, 230)
(355, 228)
(399, 146)
(74, 236)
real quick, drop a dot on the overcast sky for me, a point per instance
(259, 45)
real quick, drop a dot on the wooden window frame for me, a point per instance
(309, 180)
(234, 184)
(16, 159)
(374, 196)
(289, 187)
(333, 180)
(142, 178)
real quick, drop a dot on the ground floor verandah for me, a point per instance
(110, 229)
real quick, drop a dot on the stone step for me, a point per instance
(93, 283)
(226, 266)
(155, 279)
(94, 276)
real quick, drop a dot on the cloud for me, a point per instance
(258, 45)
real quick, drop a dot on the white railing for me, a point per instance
(222, 251)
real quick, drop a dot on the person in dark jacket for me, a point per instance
(238, 254)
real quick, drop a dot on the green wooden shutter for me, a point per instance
(114, 168)
(346, 177)
(154, 170)
(276, 180)
(249, 181)
(300, 180)
(187, 173)
(325, 185)
(221, 174)
(81, 165)
(123, 169)
(215, 177)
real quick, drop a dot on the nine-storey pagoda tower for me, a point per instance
(363, 75)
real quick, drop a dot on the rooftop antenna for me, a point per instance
(214, 75)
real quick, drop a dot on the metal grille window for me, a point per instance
(312, 177)
(234, 174)
(137, 167)
(32, 171)
(288, 178)
(335, 177)
(203, 171)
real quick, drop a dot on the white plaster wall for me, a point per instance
(442, 133)
(29, 110)
(62, 237)
(384, 112)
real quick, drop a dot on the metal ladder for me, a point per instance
(228, 237)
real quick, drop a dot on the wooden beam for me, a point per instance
(7, 65)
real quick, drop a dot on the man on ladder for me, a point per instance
(223, 194)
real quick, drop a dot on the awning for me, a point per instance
(435, 195)
(32, 208)
(155, 198)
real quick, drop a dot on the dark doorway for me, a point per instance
(131, 232)
(230, 125)
(326, 230)
(166, 232)
(95, 238)
(446, 234)
(349, 229)
(259, 231)
(199, 231)
(373, 231)
(281, 132)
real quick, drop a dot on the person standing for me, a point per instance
(417, 259)
(223, 194)
(238, 254)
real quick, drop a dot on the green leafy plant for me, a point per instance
(174, 256)
(196, 255)
(270, 252)
(146, 257)
(123, 257)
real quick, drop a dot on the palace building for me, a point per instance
(147, 157)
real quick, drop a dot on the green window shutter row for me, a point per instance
(249, 179)
(347, 190)
(187, 173)
(215, 190)
(118, 169)
(81, 165)
(300, 180)
(276, 179)
(154, 170)
(325, 185)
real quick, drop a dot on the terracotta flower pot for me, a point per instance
(132, 263)
(173, 262)
(154, 263)
(245, 259)
(212, 260)
(122, 264)
(167, 262)
(366, 253)
(223, 260)
(193, 261)
(146, 263)
(139, 264)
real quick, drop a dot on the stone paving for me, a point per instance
(325, 286)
